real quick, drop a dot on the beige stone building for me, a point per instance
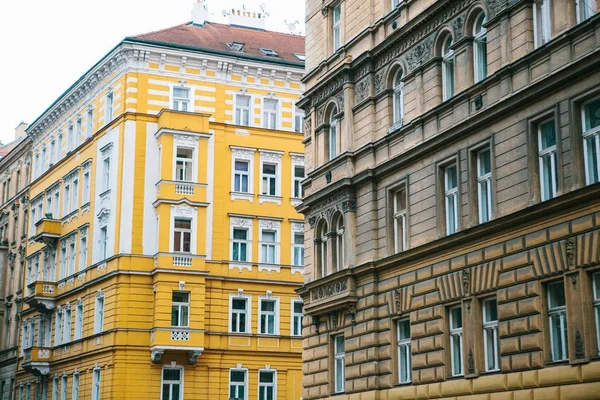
(452, 199)
(14, 188)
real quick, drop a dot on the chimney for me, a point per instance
(20, 130)
(248, 19)
(200, 13)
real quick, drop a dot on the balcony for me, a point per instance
(37, 360)
(47, 231)
(40, 295)
(179, 190)
(332, 293)
(176, 340)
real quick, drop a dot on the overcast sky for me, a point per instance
(48, 45)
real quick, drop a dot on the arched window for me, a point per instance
(333, 133)
(480, 48)
(321, 250)
(447, 68)
(338, 242)
(398, 98)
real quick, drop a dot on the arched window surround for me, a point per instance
(337, 235)
(447, 54)
(479, 46)
(333, 134)
(320, 249)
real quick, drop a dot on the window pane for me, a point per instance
(180, 92)
(241, 166)
(596, 278)
(592, 114)
(183, 223)
(238, 376)
(490, 311)
(266, 377)
(484, 162)
(451, 181)
(299, 171)
(339, 344)
(171, 374)
(403, 329)
(240, 234)
(269, 169)
(556, 295)
(298, 307)
(591, 158)
(180, 297)
(267, 305)
(268, 236)
(298, 238)
(239, 304)
(456, 318)
(547, 135)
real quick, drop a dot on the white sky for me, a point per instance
(47, 45)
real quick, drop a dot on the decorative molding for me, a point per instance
(239, 152)
(570, 251)
(329, 290)
(307, 126)
(351, 312)
(103, 216)
(183, 210)
(106, 151)
(421, 53)
(457, 27)
(471, 362)
(339, 99)
(269, 224)
(270, 156)
(579, 347)
(466, 281)
(379, 82)
(495, 6)
(185, 140)
(297, 227)
(362, 90)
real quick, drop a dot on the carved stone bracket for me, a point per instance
(579, 347)
(421, 53)
(362, 90)
(570, 251)
(466, 281)
(316, 321)
(156, 355)
(193, 356)
(471, 362)
(351, 312)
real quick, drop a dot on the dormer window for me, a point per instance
(235, 46)
(300, 57)
(269, 52)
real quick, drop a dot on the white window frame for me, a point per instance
(542, 28)
(75, 389)
(336, 27)
(240, 110)
(585, 12)
(273, 158)
(78, 128)
(297, 161)
(267, 123)
(550, 153)
(186, 163)
(164, 382)
(398, 98)
(245, 155)
(479, 48)
(596, 304)
(297, 248)
(83, 249)
(89, 128)
(55, 388)
(96, 379)
(262, 386)
(447, 68)
(593, 135)
(297, 318)
(52, 151)
(456, 332)
(275, 313)
(484, 186)
(451, 193)
(103, 248)
(400, 218)
(560, 313)
(241, 223)
(265, 246)
(106, 172)
(181, 305)
(181, 232)
(298, 120)
(244, 385)
(184, 104)
(403, 347)
(238, 173)
(236, 242)
(58, 321)
(64, 384)
(67, 316)
(99, 310)
(333, 137)
(85, 198)
(79, 315)
(109, 107)
(491, 356)
(339, 364)
(248, 312)
(70, 138)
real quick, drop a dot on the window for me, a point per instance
(447, 69)
(77, 132)
(301, 57)
(58, 328)
(99, 314)
(78, 321)
(36, 166)
(480, 48)
(74, 197)
(299, 120)
(298, 178)
(59, 147)
(106, 171)
(557, 316)
(180, 309)
(237, 384)
(240, 245)
(321, 248)
(18, 182)
(333, 129)
(239, 315)
(89, 123)
(43, 162)
(297, 317)
(456, 340)
(270, 114)
(72, 254)
(103, 242)
(400, 219)
(28, 391)
(184, 164)
(181, 99)
(451, 198)
(108, 109)
(269, 179)
(395, 3)
(63, 388)
(584, 9)
(96, 384)
(338, 243)
(596, 294)
(182, 235)
(70, 139)
(298, 249)
(267, 319)
(67, 325)
(541, 22)
(235, 46)
(490, 335)
(484, 185)
(268, 247)
(83, 249)
(85, 198)
(266, 385)
(398, 100)
(269, 52)
(339, 363)
(547, 159)
(55, 388)
(242, 110)
(241, 176)
(56, 211)
(67, 199)
(172, 385)
(75, 390)
(590, 115)
(337, 27)
(403, 340)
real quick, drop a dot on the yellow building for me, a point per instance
(164, 248)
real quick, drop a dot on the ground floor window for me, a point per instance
(172, 384)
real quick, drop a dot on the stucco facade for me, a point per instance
(452, 200)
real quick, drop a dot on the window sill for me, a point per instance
(104, 194)
(269, 267)
(265, 198)
(242, 196)
(69, 217)
(296, 201)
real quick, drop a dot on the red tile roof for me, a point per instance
(6, 148)
(214, 37)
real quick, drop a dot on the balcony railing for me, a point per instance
(184, 189)
(37, 360)
(40, 295)
(47, 230)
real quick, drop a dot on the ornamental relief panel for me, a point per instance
(343, 202)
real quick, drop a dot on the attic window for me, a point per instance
(300, 57)
(269, 52)
(235, 46)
